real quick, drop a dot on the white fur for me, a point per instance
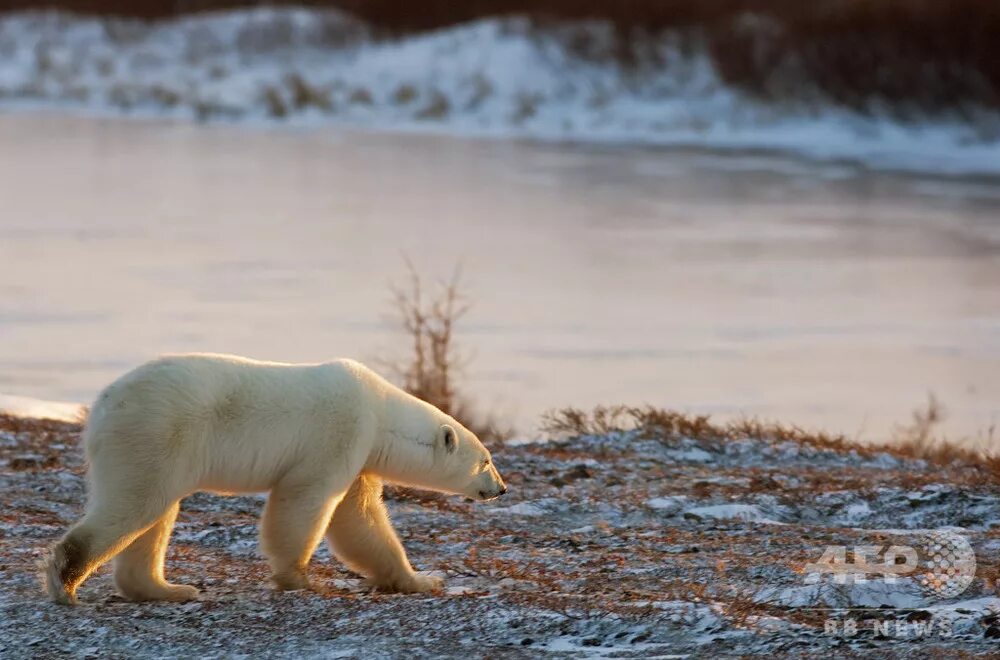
(320, 437)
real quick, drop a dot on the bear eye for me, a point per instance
(486, 462)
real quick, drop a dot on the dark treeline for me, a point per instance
(919, 54)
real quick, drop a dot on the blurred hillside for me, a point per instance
(913, 56)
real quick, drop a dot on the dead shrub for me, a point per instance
(429, 371)
(918, 440)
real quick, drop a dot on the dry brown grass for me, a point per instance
(661, 423)
(913, 441)
(15, 424)
(429, 370)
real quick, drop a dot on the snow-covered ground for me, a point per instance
(617, 545)
(487, 78)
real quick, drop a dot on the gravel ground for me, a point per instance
(608, 546)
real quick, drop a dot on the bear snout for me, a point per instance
(486, 495)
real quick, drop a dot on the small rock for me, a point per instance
(25, 462)
(579, 471)
(764, 483)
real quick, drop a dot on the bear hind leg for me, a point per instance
(96, 539)
(361, 535)
(139, 567)
(67, 566)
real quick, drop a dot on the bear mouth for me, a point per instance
(486, 495)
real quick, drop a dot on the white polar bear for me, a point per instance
(319, 437)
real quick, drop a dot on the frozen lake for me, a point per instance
(823, 295)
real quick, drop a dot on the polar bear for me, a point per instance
(320, 437)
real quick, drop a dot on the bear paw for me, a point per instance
(291, 581)
(412, 584)
(180, 593)
(58, 593)
(172, 593)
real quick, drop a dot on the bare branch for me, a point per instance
(430, 370)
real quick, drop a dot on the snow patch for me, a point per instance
(857, 511)
(904, 593)
(692, 455)
(745, 512)
(522, 509)
(671, 503)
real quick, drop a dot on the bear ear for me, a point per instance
(449, 439)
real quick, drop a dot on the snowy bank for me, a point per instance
(498, 78)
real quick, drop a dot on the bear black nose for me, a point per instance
(503, 491)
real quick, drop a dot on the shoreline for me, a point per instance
(784, 157)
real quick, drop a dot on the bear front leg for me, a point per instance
(292, 526)
(361, 535)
